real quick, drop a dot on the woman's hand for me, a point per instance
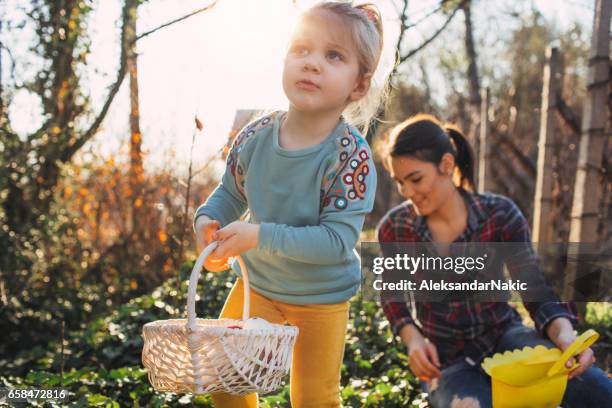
(205, 228)
(235, 239)
(561, 332)
(424, 361)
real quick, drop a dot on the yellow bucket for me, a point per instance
(533, 377)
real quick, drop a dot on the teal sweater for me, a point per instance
(310, 204)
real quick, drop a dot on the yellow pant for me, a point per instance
(318, 352)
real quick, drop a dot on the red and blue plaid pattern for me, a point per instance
(467, 329)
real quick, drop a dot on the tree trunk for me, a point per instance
(1, 90)
(472, 77)
(136, 175)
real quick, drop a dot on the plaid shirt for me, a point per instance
(467, 329)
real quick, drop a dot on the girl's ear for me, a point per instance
(447, 164)
(361, 87)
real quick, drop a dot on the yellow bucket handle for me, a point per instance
(582, 343)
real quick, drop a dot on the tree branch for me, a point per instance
(169, 23)
(433, 37)
(568, 115)
(400, 38)
(78, 143)
(403, 17)
(425, 17)
(507, 141)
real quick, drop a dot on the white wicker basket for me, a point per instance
(204, 355)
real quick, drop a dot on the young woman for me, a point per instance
(432, 165)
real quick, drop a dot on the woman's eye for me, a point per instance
(416, 181)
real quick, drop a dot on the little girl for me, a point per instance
(307, 178)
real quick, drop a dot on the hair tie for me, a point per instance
(370, 13)
(449, 134)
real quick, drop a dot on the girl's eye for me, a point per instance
(299, 49)
(416, 180)
(334, 55)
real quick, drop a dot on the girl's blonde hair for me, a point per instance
(367, 33)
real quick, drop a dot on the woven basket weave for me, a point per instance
(204, 355)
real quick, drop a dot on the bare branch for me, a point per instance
(520, 177)
(425, 17)
(78, 143)
(433, 37)
(403, 17)
(209, 162)
(506, 141)
(73, 148)
(169, 23)
(568, 115)
(427, 86)
(400, 38)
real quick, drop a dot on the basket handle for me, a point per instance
(193, 284)
(582, 343)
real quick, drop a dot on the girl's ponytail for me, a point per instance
(464, 158)
(374, 16)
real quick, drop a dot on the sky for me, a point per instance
(221, 60)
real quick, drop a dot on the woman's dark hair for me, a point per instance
(425, 138)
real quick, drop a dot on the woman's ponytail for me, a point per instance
(464, 158)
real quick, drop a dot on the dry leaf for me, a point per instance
(198, 123)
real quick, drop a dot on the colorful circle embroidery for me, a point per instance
(340, 203)
(348, 183)
(355, 179)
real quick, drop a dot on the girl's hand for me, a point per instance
(235, 239)
(205, 228)
(424, 361)
(561, 332)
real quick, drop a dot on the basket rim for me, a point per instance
(277, 328)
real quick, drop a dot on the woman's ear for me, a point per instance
(362, 86)
(447, 164)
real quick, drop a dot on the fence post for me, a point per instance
(543, 226)
(484, 146)
(587, 189)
